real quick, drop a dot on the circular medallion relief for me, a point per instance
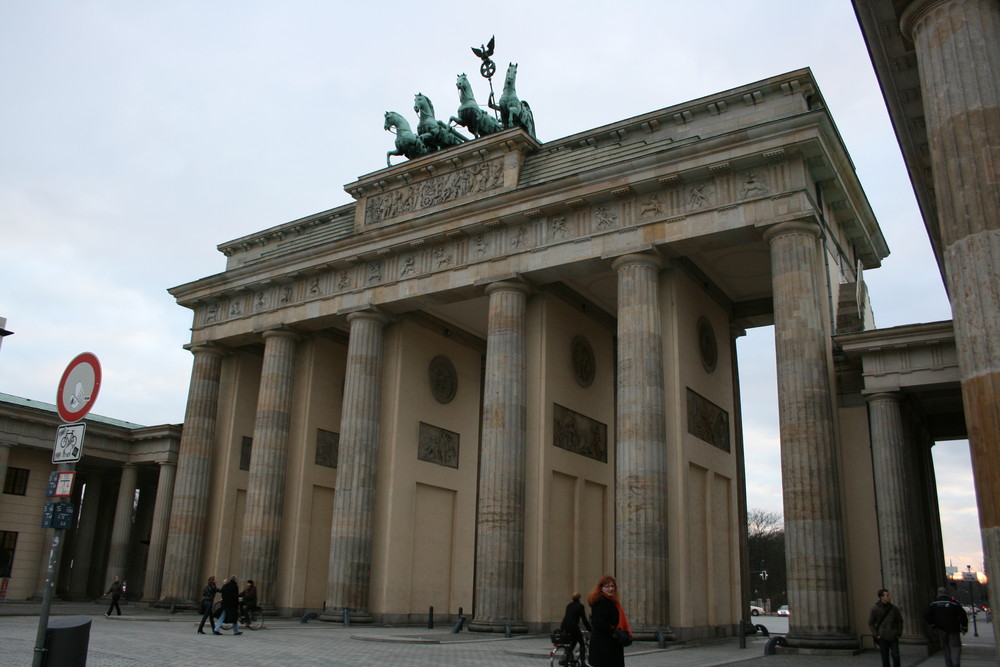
(443, 379)
(707, 344)
(584, 364)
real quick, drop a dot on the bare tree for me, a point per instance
(763, 523)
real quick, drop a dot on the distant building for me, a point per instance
(121, 497)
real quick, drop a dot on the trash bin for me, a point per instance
(66, 642)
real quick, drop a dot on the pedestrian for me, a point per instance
(249, 596)
(575, 613)
(207, 602)
(115, 592)
(230, 606)
(948, 618)
(610, 632)
(886, 624)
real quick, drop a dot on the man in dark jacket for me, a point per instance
(575, 613)
(886, 624)
(230, 606)
(948, 618)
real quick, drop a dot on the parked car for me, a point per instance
(783, 610)
(755, 610)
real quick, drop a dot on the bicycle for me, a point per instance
(561, 654)
(249, 618)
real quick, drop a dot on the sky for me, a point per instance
(135, 137)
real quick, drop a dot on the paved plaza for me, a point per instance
(150, 638)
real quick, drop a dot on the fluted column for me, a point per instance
(901, 543)
(499, 582)
(349, 574)
(189, 510)
(122, 530)
(814, 546)
(641, 447)
(266, 481)
(158, 538)
(85, 538)
(957, 43)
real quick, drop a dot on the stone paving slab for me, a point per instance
(150, 638)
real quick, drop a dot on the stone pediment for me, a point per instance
(484, 167)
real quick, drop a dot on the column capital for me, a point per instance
(375, 316)
(209, 347)
(885, 396)
(508, 286)
(636, 258)
(280, 333)
(916, 10)
(792, 227)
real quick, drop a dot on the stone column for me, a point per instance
(641, 447)
(349, 574)
(962, 114)
(189, 510)
(814, 535)
(894, 468)
(85, 543)
(158, 539)
(499, 579)
(122, 530)
(266, 481)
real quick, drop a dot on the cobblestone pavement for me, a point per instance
(150, 638)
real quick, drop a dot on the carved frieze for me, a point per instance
(437, 445)
(327, 448)
(475, 179)
(707, 421)
(579, 434)
(443, 379)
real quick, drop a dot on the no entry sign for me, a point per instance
(78, 387)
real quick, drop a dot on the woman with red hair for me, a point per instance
(608, 620)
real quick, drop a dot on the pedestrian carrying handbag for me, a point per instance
(622, 637)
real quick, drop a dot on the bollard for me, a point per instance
(661, 639)
(458, 626)
(506, 631)
(430, 618)
(770, 649)
(347, 617)
(67, 641)
(173, 609)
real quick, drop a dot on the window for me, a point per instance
(8, 542)
(245, 448)
(327, 448)
(16, 481)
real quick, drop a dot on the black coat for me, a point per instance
(947, 615)
(230, 599)
(574, 614)
(605, 651)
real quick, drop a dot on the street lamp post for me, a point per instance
(972, 601)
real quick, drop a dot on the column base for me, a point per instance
(516, 627)
(808, 643)
(647, 635)
(354, 616)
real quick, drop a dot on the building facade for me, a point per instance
(121, 498)
(509, 367)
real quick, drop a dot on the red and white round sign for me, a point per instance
(78, 387)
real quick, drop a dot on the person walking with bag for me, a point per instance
(207, 601)
(948, 618)
(886, 624)
(611, 631)
(116, 590)
(230, 606)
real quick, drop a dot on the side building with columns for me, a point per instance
(121, 496)
(508, 368)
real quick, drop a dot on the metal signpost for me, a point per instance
(78, 389)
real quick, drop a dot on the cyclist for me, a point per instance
(575, 613)
(248, 601)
